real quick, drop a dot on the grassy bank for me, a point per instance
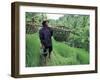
(62, 54)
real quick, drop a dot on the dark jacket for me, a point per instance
(45, 35)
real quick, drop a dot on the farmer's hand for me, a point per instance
(42, 46)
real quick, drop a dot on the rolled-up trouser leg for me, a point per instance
(45, 51)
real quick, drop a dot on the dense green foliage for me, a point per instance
(79, 27)
(35, 18)
(60, 34)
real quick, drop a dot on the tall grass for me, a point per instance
(78, 55)
(32, 50)
(62, 54)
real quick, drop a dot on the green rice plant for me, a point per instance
(83, 57)
(32, 50)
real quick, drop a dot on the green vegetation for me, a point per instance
(62, 54)
(32, 50)
(79, 29)
(70, 39)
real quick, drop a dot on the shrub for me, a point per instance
(60, 34)
(30, 29)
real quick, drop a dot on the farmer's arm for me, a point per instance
(51, 31)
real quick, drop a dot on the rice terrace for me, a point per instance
(70, 39)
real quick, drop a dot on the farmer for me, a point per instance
(45, 35)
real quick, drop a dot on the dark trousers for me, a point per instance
(47, 49)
